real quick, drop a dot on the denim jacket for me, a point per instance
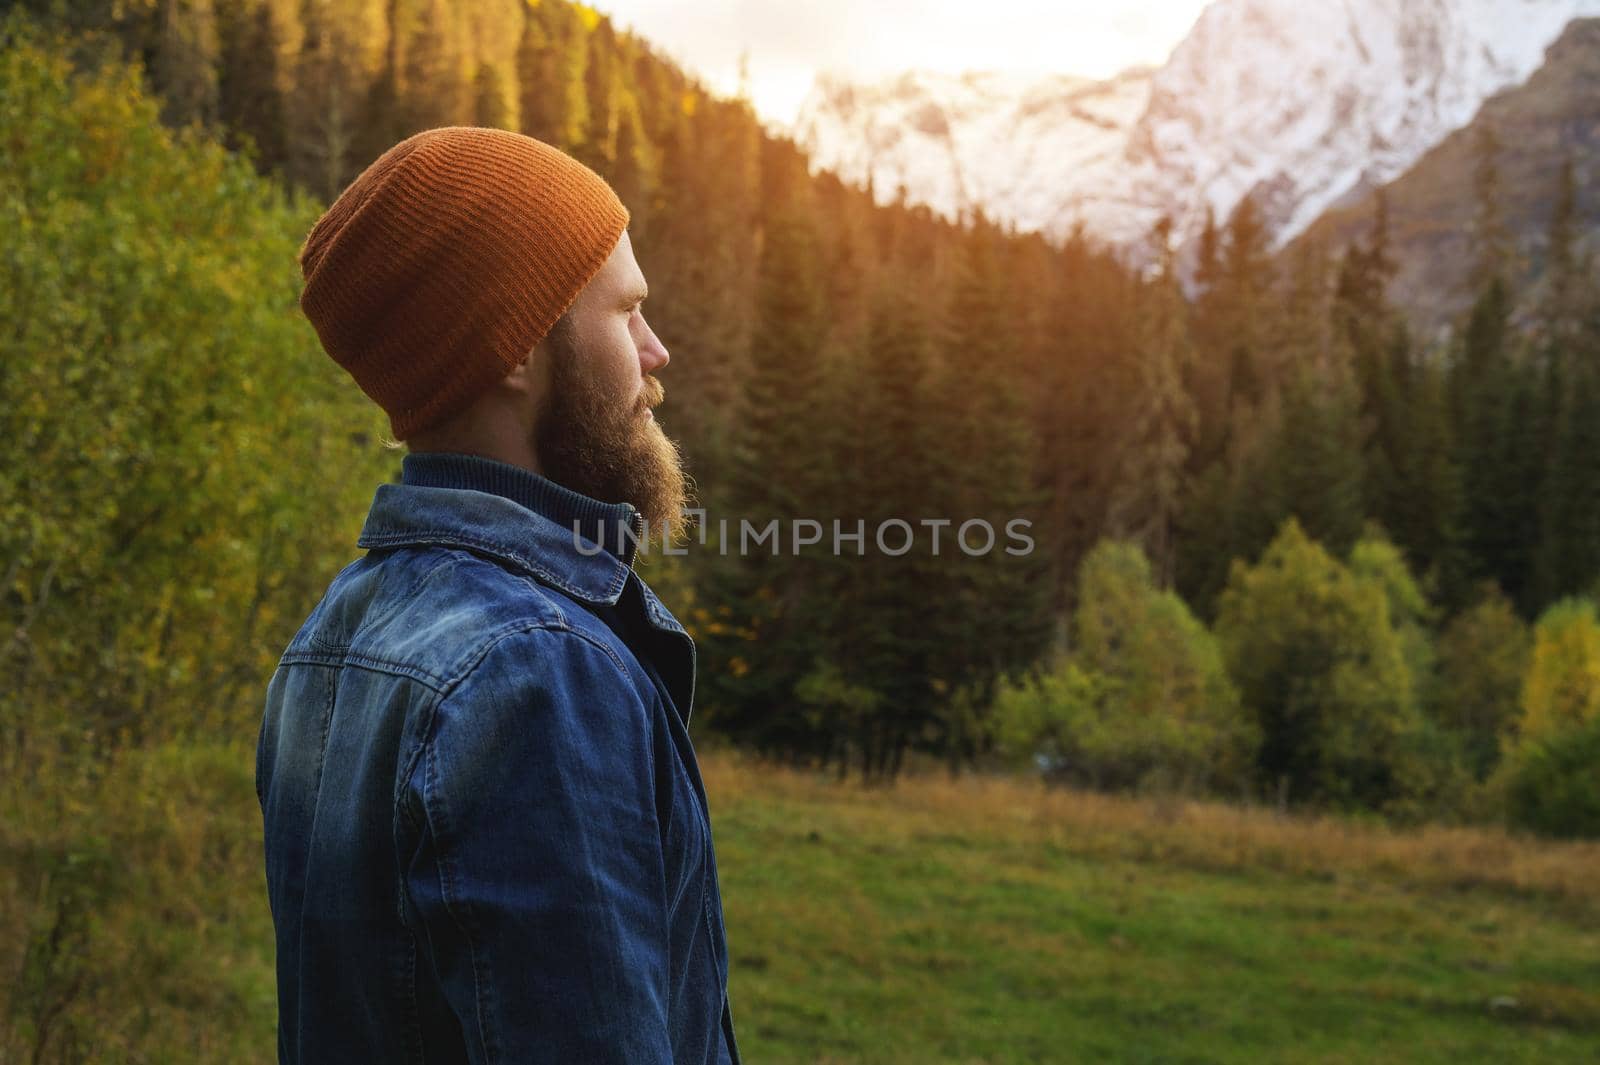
(486, 835)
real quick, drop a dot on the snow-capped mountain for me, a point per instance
(1002, 142)
(1300, 104)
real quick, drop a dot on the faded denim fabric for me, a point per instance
(486, 835)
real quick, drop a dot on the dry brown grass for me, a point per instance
(1208, 835)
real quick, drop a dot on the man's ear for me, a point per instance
(530, 378)
(529, 374)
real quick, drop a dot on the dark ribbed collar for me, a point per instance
(568, 509)
(563, 537)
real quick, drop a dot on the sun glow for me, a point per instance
(785, 45)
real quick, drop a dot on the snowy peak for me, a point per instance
(1300, 105)
(956, 142)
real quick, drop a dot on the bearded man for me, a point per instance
(486, 835)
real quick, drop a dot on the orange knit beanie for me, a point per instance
(448, 259)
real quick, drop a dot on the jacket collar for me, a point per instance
(565, 539)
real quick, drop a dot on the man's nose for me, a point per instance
(653, 354)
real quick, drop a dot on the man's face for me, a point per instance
(595, 432)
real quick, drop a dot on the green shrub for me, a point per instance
(182, 468)
(1483, 657)
(133, 912)
(1553, 785)
(1327, 674)
(1561, 689)
(1143, 701)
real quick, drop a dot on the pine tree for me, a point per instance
(705, 221)
(1298, 328)
(598, 147)
(1371, 336)
(1232, 366)
(633, 177)
(492, 107)
(1248, 277)
(1154, 454)
(184, 61)
(382, 121)
(1493, 250)
(325, 106)
(1317, 474)
(1568, 560)
(551, 61)
(1426, 513)
(768, 634)
(1206, 375)
(980, 455)
(434, 90)
(1496, 404)
(886, 649)
(249, 98)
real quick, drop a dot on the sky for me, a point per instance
(789, 42)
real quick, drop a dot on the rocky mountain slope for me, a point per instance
(1553, 117)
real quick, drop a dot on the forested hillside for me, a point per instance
(1281, 553)
(840, 362)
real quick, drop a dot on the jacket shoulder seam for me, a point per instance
(498, 551)
(518, 628)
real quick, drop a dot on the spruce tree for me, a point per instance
(1496, 404)
(1317, 472)
(886, 648)
(1568, 560)
(1206, 377)
(1372, 337)
(1426, 514)
(1155, 450)
(434, 90)
(766, 633)
(601, 90)
(250, 101)
(993, 613)
(491, 106)
(551, 60)
(1493, 250)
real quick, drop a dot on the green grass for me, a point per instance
(865, 928)
(981, 920)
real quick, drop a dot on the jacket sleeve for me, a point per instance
(538, 877)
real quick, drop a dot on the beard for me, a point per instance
(606, 447)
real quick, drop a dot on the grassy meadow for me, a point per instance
(983, 919)
(989, 920)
